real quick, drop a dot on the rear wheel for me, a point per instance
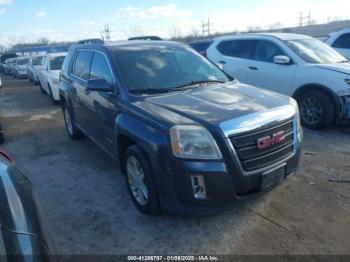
(317, 109)
(140, 180)
(73, 132)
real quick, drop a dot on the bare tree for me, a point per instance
(134, 31)
(175, 32)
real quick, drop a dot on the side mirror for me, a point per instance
(99, 85)
(281, 60)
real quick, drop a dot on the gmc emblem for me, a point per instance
(269, 141)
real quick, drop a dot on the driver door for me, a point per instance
(104, 105)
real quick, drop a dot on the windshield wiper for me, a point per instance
(149, 91)
(197, 83)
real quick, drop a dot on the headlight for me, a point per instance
(194, 142)
(297, 113)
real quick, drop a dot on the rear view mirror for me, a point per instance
(99, 85)
(281, 60)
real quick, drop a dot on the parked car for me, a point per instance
(340, 41)
(189, 139)
(3, 59)
(201, 46)
(10, 66)
(49, 75)
(34, 67)
(21, 67)
(22, 234)
(299, 66)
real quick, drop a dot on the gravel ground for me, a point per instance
(88, 210)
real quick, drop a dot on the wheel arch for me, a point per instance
(318, 87)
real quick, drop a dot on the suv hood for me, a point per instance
(340, 67)
(212, 104)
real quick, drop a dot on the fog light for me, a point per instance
(198, 187)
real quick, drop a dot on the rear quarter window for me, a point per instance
(342, 42)
(237, 48)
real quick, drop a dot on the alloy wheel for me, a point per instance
(137, 180)
(311, 110)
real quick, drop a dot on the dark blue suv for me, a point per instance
(189, 139)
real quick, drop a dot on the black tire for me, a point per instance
(42, 90)
(317, 110)
(73, 132)
(2, 138)
(151, 207)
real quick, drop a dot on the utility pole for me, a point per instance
(304, 20)
(106, 33)
(206, 27)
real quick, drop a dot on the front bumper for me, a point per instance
(225, 184)
(343, 108)
(22, 74)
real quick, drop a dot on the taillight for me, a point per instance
(5, 155)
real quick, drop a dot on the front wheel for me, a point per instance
(316, 109)
(73, 132)
(42, 90)
(140, 180)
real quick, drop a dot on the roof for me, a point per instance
(135, 45)
(281, 36)
(207, 40)
(57, 54)
(22, 57)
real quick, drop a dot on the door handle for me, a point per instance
(222, 62)
(253, 68)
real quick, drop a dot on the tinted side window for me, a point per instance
(100, 68)
(342, 42)
(201, 46)
(82, 64)
(266, 51)
(237, 48)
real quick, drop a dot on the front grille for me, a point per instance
(252, 158)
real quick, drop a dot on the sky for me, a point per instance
(64, 20)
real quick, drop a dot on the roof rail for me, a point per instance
(154, 38)
(91, 41)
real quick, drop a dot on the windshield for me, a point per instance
(22, 61)
(315, 52)
(165, 68)
(56, 62)
(37, 60)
